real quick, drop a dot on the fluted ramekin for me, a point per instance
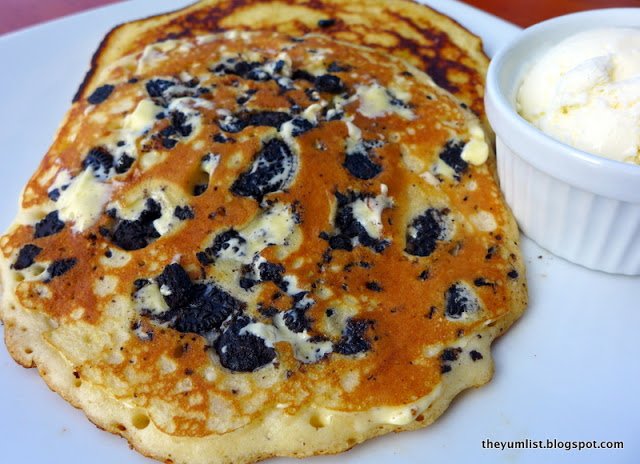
(579, 206)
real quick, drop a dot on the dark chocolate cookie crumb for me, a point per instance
(425, 231)
(49, 225)
(374, 286)
(482, 282)
(459, 301)
(207, 308)
(329, 83)
(100, 160)
(324, 23)
(26, 256)
(100, 94)
(359, 160)
(450, 354)
(353, 339)
(175, 285)
(157, 87)
(134, 235)
(296, 320)
(451, 155)
(270, 172)
(183, 213)
(60, 267)
(242, 353)
(123, 164)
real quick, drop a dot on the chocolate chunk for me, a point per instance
(241, 68)
(348, 228)
(157, 87)
(312, 95)
(358, 161)
(124, 163)
(221, 138)
(267, 311)
(247, 70)
(169, 143)
(424, 275)
(475, 355)
(512, 274)
(242, 353)
(482, 282)
(49, 225)
(444, 368)
(326, 22)
(26, 257)
(227, 240)
(271, 272)
(360, 165)
(490, 252)
(459, 300)
(175, 285)
(329, 83)
(432, 311)
(204, 258)
(100, 94)
(183, 213)
(270, 172)
(134, 235)
(140, 283)
(247, 283)
(168, 131)
(266, 118)
(451, 154)
(341, 242)
(301, 74)
(179, 124)
(374, 286)
(231, 124)
(300, 126)
(54, 195)
(206, 309)
(60, 267)
(450, 354)
(425, 231)
(240, 121)
(100, 160)
(353, 339)
(335, 67)
(296, 320)
(346, 222)
(199, 189)
(258, 74)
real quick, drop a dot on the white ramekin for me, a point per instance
(579, 206)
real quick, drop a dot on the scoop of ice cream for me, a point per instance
(585, 92)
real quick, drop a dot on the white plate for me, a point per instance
(568, 370)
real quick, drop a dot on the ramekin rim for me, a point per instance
(501, 112)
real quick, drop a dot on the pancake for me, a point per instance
(427, 39)
(246, 245)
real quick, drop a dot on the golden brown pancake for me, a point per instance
(248, 245)
(427, 39)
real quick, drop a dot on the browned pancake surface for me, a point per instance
(435, 43)
(391, 263)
